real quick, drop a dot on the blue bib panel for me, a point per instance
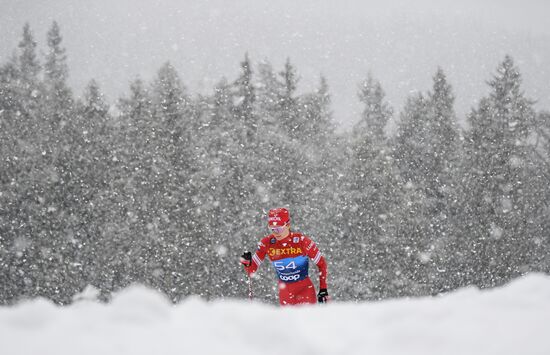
(292, 269)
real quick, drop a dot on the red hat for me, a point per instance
(278, 217)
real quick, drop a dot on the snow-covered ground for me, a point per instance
(513, 319)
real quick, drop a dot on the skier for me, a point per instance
(289, 252)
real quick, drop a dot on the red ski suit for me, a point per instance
(290, 258)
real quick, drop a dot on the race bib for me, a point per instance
(292, 269)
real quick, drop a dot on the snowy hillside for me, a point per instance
(510, 320)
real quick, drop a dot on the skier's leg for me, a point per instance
(301, 292)
(306, 293)
(286, 297)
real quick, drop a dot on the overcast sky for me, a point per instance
(400, 42)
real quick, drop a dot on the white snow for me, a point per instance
(509, 320)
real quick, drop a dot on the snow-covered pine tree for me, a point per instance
(541, 151)
(412, 220)
(497, 178)
(317, 124)
(442, 186)
(269, 92)
(49, 273)
(240, 162)
(133, 155)
(427, 152)
(289, 115)
(95, 210)
(322, 173)
(29, 84)
(244, 102)
(286, 154)
(370, 198)
(13, 229)
(376, 112)
(169, 217)
(218, 192)
(58, 96)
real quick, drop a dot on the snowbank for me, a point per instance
(510, 320)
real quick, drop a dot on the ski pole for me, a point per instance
(246, 260)
(250, 293)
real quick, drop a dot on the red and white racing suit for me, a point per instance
(290, 258)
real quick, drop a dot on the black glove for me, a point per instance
(246, 259)
(322, 296)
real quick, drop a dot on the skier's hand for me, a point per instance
(322, 296)
(246, 259)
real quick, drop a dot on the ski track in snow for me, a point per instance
(512, 319)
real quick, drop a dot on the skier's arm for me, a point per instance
(322, 265)
(315, 255)
(257, 258)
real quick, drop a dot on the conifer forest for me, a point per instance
(166, 188)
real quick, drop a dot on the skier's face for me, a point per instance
(279, 230)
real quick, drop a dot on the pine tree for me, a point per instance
(427, 151)
(245, 98)
(289, 115)
(20, 91)
(240, 160)
(22, 94)
(12, 228)
(28, 61)
(29, 68)
(87, 191)
(136, 134)
(497, 179)
(58, 96)
(442, 181)
(174, 255)
(269, 91)
(370, 198)
(36, 198)
(224, 208)
(319, 170)
(134, 155)
(540, 192)
(411, 150)
(317, 124)
(376, 112)
(9, 102)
